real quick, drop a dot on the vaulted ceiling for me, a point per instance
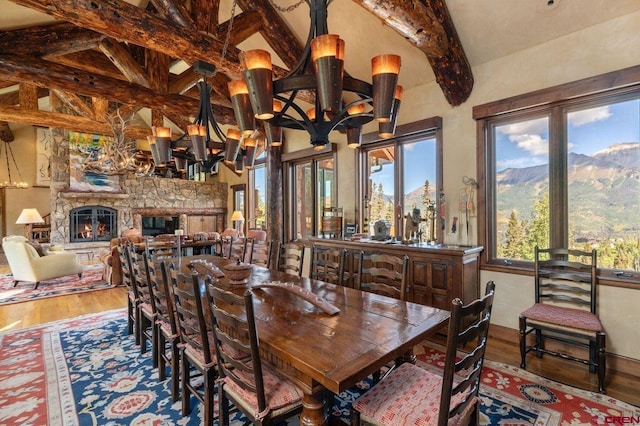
(137, 54)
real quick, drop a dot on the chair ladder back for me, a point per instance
(125, 261)
(563, 279)
(383, 274)
(327, 264)
(237, 248)
(290, 258)
(190, 313)
(162, 247)
(161, 296)
(236, 340)
(139, 277)
(470, 364)
(261, 253)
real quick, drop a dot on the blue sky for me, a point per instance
(526, 143)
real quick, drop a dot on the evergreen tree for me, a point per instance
(515, 238)
(537, 233)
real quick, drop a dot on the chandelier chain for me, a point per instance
(228, 36)
(288, 8)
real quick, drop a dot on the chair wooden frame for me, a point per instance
(565, 308)
(458, 399)
(327, 264)
(147, 315)
(166, 329)
(383, 274)
(196, 349)
(290, 258)
(133, 300)
(260, 253)
(242, 373)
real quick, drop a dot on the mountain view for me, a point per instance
(603, 193)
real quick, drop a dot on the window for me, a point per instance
(401, 178)
(311, 187)
(566, 174)
(258, 197)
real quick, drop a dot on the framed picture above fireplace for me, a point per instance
(83, 146)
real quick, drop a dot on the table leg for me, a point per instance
(313, 409)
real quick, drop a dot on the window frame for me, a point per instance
(407, 133)
(556, 101)
(289, 162)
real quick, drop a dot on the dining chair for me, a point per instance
(166, 327)
(237, 249)
(147, 316)
(411, 395)
(162, 246)
(133, 300)
(290, 258)
(384, 274)
(197, 351)
(255, 388)
(327, 264)
(260, 253)
(565, 308)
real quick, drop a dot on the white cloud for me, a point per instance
(533, 144)
(537, 126)
(518, 163)
(580, 118)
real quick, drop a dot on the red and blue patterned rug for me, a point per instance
(87, 371)
(91, 280)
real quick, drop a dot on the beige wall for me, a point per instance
(23, 148)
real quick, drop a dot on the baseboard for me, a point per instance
(615, 362)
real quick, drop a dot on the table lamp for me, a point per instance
(237, 217)
(27, 218)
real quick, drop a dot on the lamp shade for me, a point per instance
(237, 215)
(29, 216)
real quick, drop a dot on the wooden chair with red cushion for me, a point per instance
(254, 387)
(565, 308)
(197, 351)
(411, 395)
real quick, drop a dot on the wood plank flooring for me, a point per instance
(26, 314)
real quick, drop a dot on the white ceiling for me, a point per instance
(488, 29)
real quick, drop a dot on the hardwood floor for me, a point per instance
(26, 314)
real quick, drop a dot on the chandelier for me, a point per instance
(341, 102)
(114, 155)
(207, 145)
(7, 152)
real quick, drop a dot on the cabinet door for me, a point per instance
(194, 224)
(432, 282)
(209, 223)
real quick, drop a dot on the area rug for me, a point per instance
(91, 280)
(87, 371)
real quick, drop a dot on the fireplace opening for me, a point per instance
(156, 225)
(93, 223)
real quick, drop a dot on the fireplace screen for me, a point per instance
(93, 223)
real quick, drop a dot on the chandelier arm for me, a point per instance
(214, 124)
(15, 163)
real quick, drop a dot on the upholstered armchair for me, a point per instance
(111, 259)
(27, 264)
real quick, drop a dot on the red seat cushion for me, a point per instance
(410, 395)
(564, 317)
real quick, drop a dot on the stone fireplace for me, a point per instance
(92, 223)
(138, 197)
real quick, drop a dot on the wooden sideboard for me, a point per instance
(437, 274)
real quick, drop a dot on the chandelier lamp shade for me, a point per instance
(386, 129)
(341, 102)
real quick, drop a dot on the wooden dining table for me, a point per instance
(323, 351)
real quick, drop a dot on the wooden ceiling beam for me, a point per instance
(174, 12)
(75, 102)
(64, 121)
(28, 96)
(428, 25)
(244, 26)
(126, 22)
(90, 61)
(127, 65)
(275, 31)
(45, 74)
(56, 39)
